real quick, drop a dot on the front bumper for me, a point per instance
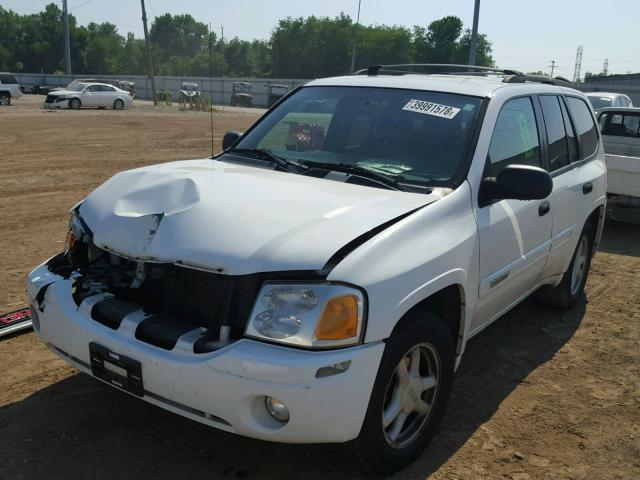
(56, 105)
(226, 388)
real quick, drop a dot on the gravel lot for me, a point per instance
(540, 394)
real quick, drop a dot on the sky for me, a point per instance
(526, 35)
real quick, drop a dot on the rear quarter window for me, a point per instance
(8, 79)
(585, 126)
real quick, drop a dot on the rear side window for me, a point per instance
(585, 126)
(515, 137)
(7, 79)
(556, 133)
(620, 125)
(107, 88)
(572, 141)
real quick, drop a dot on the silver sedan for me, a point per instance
(96, 95)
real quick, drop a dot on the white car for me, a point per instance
(318, 280)
(9, 88)
(600, 100)
(93, 95)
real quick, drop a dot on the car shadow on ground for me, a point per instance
(620, 238)
(80, 428)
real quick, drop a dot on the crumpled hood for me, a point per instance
(235, 219)
(62, 92)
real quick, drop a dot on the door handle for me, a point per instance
(587, 188)
(544, 208)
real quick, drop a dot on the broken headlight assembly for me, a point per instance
(316, 315)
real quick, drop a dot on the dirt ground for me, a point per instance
(539, 394)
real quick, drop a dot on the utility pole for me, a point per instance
(605, 67)
(353, 52)
(578, 65)
(474, 34)
(67, 46)
(223, 62)
(149, 58)
(553, 67)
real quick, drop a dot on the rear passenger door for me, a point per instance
(514, 234)
(573, 143)
(107, 95)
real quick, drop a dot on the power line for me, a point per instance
(81, 4)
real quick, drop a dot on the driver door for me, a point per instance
(515, 235)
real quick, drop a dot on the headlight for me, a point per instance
(310, 315)
(76, 232)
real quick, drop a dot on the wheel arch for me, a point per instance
(449, 304)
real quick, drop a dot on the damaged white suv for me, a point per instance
(319, 279)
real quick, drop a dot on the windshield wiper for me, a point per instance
(359, 171)
(266, 155)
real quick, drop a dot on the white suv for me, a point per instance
(9, 88)
(318, 281)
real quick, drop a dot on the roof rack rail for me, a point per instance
(436, 68)
(560, 81)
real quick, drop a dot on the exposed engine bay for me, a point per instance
(175, 300)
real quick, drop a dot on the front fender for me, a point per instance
(433, 248)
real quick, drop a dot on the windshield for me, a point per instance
(599, 102)
(418, 136)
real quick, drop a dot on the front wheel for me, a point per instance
(571, 288)
(75, 104)
(5, 100)
(409, 395)
(118, 104)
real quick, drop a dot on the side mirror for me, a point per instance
(518, 182)
(229, 139)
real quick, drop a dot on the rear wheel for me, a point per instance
(571, 288)
(75, 103)
(5, 99)
(118, 104)
(409, 395)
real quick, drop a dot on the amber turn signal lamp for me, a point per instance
(339, 319)
(70, 242)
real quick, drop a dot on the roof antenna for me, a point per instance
(211, 88)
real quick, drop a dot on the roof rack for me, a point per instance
(560, 81)
(510, 75)
(433, 68)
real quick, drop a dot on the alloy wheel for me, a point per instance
(410, 395)
(579, 265)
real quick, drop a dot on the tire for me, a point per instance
(5, 99)
(118, 104)
(379, 449)
(75, 103)
(570, 290)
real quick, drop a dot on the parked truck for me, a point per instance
(621, 137)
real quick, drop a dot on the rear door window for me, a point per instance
(556, 132)
(585, 127)
(515, 137)
(572, 141)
